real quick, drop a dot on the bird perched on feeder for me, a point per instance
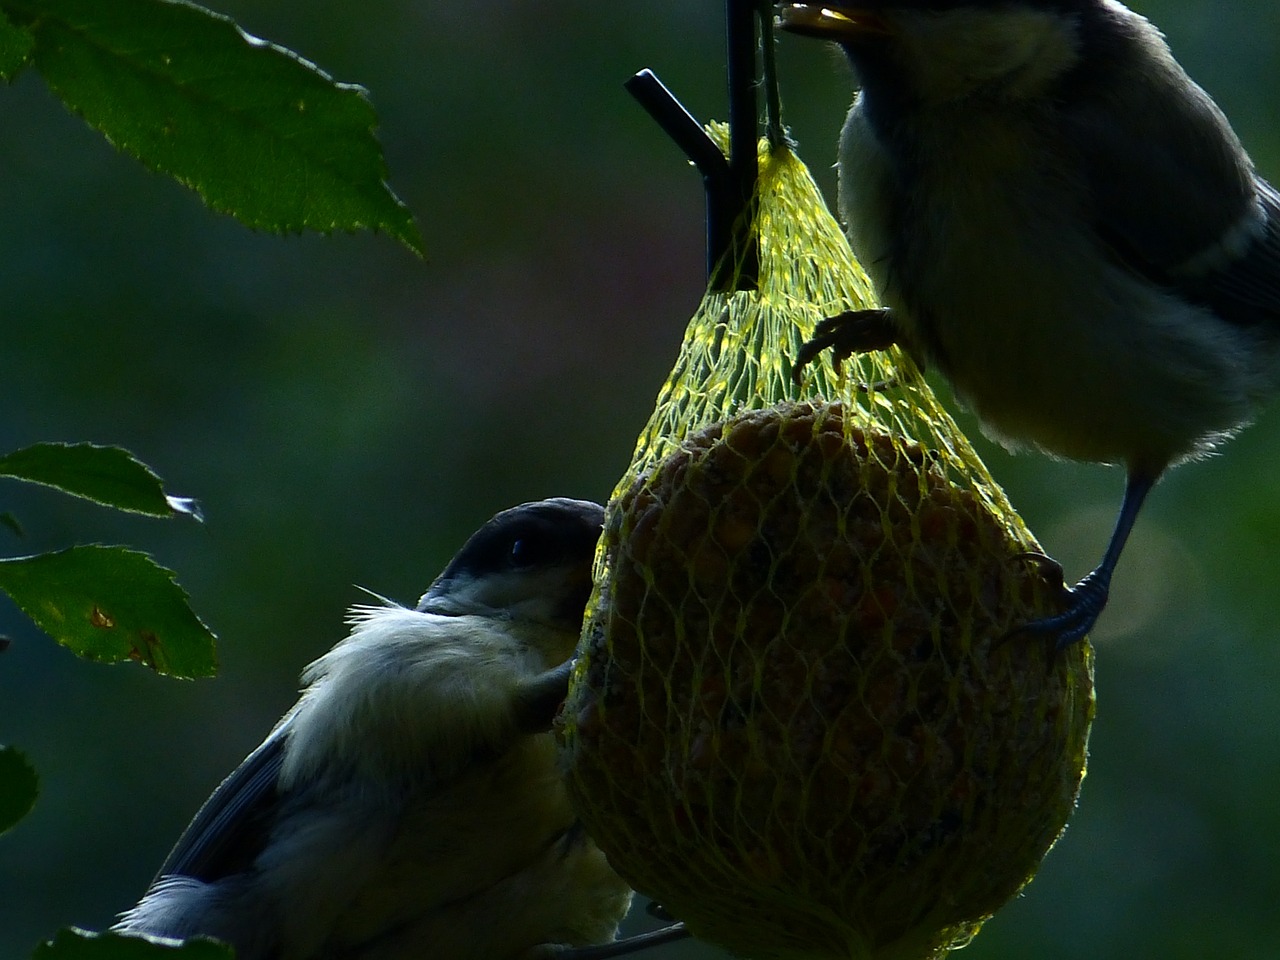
(1063, 224)
(410, 804)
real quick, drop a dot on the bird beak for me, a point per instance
(830, 23)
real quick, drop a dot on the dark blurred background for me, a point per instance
(348, 414)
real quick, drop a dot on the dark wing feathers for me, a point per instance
(1171, 182)
(1248, 290)
(232, 827)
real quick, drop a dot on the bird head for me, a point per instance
(530, 563)
(934, 51)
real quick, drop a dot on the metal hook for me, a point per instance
(732, 255)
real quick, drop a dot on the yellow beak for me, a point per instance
(829, 23)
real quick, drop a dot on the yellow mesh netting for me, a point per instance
(738, 347)
(795, 720)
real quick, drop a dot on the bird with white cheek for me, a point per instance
(410, 805)
(1064, 225)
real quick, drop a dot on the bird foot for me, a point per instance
(538, 699)
(1084, 604)
(855, 331)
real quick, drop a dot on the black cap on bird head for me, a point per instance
(535, 555)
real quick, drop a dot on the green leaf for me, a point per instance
(10, 523)
(112, 604)
(256, 130)
(73, 944)
(18, 787)
(107, 475)
(15, 48)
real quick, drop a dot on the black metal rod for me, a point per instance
(717, 178)
(744, 132)
(732, 251)
(678, 123)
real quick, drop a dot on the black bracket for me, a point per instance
(732, 254)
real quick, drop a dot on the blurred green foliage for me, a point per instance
(347, 415)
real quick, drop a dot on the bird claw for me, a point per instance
(1051, 567)
(1084, 604)
(855, 331)
(538, 699)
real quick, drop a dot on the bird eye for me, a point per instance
(521, 553)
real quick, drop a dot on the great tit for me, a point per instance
(1064, 225)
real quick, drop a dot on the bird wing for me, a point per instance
(1249, 290)
(1171, 187)
(230, 829)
